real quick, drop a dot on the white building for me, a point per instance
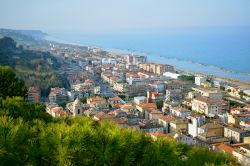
(140, 99)
(180, 112)
(199, 80)
(194, 122)
(171, 75)
(136, 59)
(109, 61)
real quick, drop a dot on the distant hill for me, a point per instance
(34, 67)
(24, 37)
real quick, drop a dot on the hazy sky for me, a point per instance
(121, 15)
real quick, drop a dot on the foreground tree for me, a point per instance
(10, 85)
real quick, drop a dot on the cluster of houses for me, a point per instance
(151, 98)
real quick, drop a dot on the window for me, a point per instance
(78, 111)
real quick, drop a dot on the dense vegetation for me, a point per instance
(29, 136)
(187, 78)
(10, 85)
(36, 68)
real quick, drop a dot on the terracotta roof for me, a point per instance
(158, 134)
(208, 99)
(210, 126)
(147, 105)
(102, 115)
(154, 111)
(167, 118)
(119, 120)
(155, 83)
(180, 109)
(126, 106)
(115, 99)
(224, 147)
(115, 112)
(97, 98)
(59, 111)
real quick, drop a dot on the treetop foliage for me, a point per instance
(10, 85)
(29, 136)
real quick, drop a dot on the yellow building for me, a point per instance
(178, 125)
(206, 84)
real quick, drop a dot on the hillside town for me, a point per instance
(157, 99)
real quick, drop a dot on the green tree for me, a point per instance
(187, 78)
(159, 104)
(10, 85)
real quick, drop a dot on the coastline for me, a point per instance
(176, 62)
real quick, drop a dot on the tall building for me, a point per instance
(34, 94)
(58, 95)
(136, 59)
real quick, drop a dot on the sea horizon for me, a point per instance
(219, 52)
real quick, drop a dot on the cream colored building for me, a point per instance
(207, 106)
(178, 126)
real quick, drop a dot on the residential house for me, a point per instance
(222, 147)
(128, 108)
(115, 100)
(99, 103)
(199, 80)
(153, 114)
(178, 125)
(57, 95)
(180, 112)
(165, 122)
(101, 116)
(211, 130)
(208, 106)
(155, 97)
(235, 135)
(195, 121)
(208, 92)
(33, 94)
(157, 135)
(145, 106)
(182, 138)
(58, 112)
(118, 113)
(242, 154)
(233, 91)
(174, 95)
(150, 126)
(209, 134)
(157, 86)
(140, 99)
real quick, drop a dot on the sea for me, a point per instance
(223, 51)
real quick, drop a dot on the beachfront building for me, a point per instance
(199, 80)
(136, 59)
(157, 68)
(171, 75)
